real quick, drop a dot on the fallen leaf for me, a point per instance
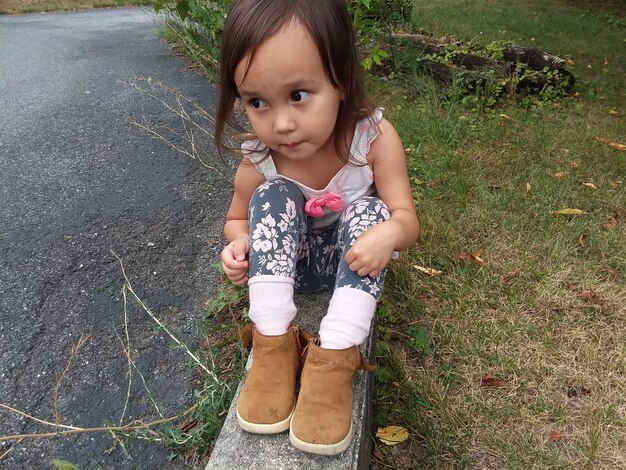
(473, 257)
(566, 150)
(592, 296)
(569, 212)
(612, 223)
(588, 185)
(574, 166)
(554, 436)
(392, 435)
(560, 174)
(614, 112)
(528, 187)
(617, 146)
(606, 61)
(490, 380)
(615, 184)
(581, 240)
(504, 116)
(571, 62)
(407, 150)
(429, 271)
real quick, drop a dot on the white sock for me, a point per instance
(348, 320)
(271, 304)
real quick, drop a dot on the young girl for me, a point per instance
(322, 200)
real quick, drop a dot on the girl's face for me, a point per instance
(290, 102)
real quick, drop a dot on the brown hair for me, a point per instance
(251, 22)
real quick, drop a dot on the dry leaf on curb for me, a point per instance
(490, 380)
(588, 185)
(555, 436)
(581, 240)
(473, 257)
(392, 435)
(612, 223)
(592, 296)
(429, 271)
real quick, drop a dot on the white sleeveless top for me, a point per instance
(351, 182)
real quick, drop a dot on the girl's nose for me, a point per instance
(284, 122)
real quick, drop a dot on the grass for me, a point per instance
(543, 313)
(37, 6)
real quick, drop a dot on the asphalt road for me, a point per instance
(77, 180)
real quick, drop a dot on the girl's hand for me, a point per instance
(372, 250)
(235, 262)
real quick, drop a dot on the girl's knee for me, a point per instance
(277, 190)
(370, 208)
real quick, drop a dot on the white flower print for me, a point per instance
(281, 265)
(264, 235)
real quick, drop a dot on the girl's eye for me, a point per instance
(257, 103)
(300, 95)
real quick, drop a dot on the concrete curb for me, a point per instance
(237, 449)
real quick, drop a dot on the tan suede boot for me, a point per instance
(267, 398)
(322, 421)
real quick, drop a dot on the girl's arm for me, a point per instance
(372, 250)
(237, 229)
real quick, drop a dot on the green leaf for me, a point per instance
(421, 341)
(182, 7)
(383, 375)
(63, 465)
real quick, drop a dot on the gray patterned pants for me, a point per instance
(283, 244)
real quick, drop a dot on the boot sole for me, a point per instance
(257, 428)
(321, 449)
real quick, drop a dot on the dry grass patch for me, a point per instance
(31, 6)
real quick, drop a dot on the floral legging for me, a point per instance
(283, 244)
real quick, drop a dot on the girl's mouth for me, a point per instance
(292, 145)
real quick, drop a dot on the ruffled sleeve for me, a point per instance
(365, 133)
(256, 152)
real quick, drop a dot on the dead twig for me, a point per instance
(152, 424)
(195, 358)
(75, 348)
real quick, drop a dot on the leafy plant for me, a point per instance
(202, 22)
(420, 342)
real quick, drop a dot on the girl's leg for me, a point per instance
(278, 225)
(322, 420)
(353, 303)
